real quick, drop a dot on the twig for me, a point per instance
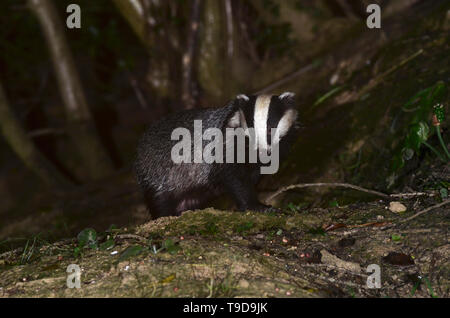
(289, 77)
(377, 80)
(132, 237)
(426, 210)
(411, 194)
(334, 184)
(346, 185)
(45, 131)
(140, 97)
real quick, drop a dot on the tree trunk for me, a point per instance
(212, 52)
(134, 12)
(25, 149)
(81, 126)
(188, 57)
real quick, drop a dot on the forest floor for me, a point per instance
(300, 252)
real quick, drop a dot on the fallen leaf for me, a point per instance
(398, 259)
(334, 226)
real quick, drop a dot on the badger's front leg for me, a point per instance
(243, 192)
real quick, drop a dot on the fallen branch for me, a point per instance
(426, 210)
(131, 237)
(347, 185)
(321, 184)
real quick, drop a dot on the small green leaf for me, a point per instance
(87, 237)
(396, 237)
(444, 193)
(170, 246)
(210, 228)
(130, 252)
(107, 245)
(416, 99)
(244, 227)
(112, 228)
(418, 133)
(334, 204)
(438, 94)
(279, 232)
(76, 252)
(328, 95)
(291, 206)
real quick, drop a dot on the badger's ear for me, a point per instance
(288, 99)
(241, 100)
(243, 97)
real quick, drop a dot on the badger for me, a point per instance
(268, 123)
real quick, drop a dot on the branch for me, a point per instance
(426, 210)
(25, 149)
(289, 77)
(45, 131)
(346, 185)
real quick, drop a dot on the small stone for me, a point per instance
(397, 207)
(243, 283)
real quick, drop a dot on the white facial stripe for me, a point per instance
(260, 120)
(285, 124)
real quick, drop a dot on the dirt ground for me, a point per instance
(300, 252)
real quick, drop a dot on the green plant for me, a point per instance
(429, 101)
(170, 246)
(244, 227)
(86, 238)
(422, 279)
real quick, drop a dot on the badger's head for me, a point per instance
(272, 117)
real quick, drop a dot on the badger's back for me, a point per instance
(154, 167)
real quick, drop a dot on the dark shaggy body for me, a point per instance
(171, 188)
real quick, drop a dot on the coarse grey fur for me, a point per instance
(171, 188)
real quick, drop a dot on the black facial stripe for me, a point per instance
(276, 111)
(249, 111)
